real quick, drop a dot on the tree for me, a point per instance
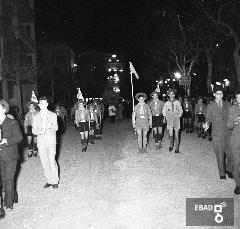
(225, 16)
(21, 74)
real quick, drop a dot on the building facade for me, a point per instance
(18, 75)
(56, 61)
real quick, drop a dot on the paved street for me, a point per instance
(111, 186)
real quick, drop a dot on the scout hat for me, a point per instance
(91, 105)
(154, 92)
(80, 101)
(31, 102)
(171, 90)
(141, 94)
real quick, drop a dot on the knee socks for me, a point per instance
(35, 147)
(171, 141)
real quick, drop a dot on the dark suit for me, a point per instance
(234, 113)
(8, 157)
(221, 134)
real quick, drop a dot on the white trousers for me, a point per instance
(47, 155)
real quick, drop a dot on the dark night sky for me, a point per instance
(100, 25)
(108, 26)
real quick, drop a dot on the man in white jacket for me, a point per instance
(45, 127)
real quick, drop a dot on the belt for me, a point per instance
(142, 117)
(92, 120)
(157, 115)
(83, 121)
(199, 113)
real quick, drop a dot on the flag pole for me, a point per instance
(132, 91)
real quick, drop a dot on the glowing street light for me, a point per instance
(109, 60)
(177, 75)
(218, 83)
(227, 82)
(114, 56)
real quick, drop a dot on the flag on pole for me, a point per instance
(132, 70)
(79, 95)
(34, 97)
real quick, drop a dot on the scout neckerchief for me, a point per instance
(141, 109)
(172, 101)
(186, 105)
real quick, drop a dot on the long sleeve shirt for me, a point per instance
(234, 118)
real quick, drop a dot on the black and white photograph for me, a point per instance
(119, 114)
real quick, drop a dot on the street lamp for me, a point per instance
(177, 75)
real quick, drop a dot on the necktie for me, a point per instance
(172, 106)
(220, 103)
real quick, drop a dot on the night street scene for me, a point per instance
(119, 114)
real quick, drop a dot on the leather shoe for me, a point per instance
(230, 175)
(177, 151)
(237, 190)
(9, 208)
(170, 148)
(55, 185)
(223, 177)
(47, 185)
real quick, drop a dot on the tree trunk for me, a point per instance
(210, 68)
(237, 62)
(52, 90)
(20, 99)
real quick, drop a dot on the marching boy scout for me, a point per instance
(172, 111)
(82, 122)
(142, 120)
(156, 106)
(234, 124)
